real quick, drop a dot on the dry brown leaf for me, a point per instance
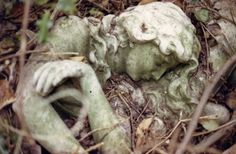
(68, 55)
(226, 9)
(105, 3)
(142, 2)
(231, 100)
(142, 129)
(78, 58)
(6, 94)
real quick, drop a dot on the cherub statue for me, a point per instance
(154, 44)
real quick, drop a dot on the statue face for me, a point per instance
(147, 40)
(145, 61)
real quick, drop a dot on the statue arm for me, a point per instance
(42, 119)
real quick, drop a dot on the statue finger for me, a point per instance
(38, 72)
(67, 73)
(61, 75)
(43, 78)
(48, 85)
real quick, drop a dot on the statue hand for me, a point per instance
(51, 74)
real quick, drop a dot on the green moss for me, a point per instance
(202, 15)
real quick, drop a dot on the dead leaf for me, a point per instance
(209, 124)
(202, 15)
(231, 100)
(226, 10)
(142, 129)
(6, 94)
(105, 3)
(78, 58)
(6, 44)
(142, 2)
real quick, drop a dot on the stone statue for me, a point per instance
(154, 44)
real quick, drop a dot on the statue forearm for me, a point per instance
(45, 124)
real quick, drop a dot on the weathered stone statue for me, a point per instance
(154, 44)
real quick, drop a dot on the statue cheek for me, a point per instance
(141, 61)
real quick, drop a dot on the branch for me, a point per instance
(228, 66)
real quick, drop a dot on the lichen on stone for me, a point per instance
(153, 42)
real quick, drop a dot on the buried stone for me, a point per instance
(154, 44)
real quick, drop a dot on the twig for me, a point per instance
(160, 151)
(210, 150)
(173, 130)
(24, 133)
(212, 35)
(232, 122)
(94, 147)
(228, 66)
(54, 12)
(100, 129)
(99, 6)
(160, 143)
(23, 43)
(230, 150)
(18, 54)
(232, 15)
(207, 51)
(144, 109)
(131, 118)
(23, 46)
(18, 144)
(15, 130)
(216, 12)
(8, 51)
(204, 144)
(228, 43)
(173, 141)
